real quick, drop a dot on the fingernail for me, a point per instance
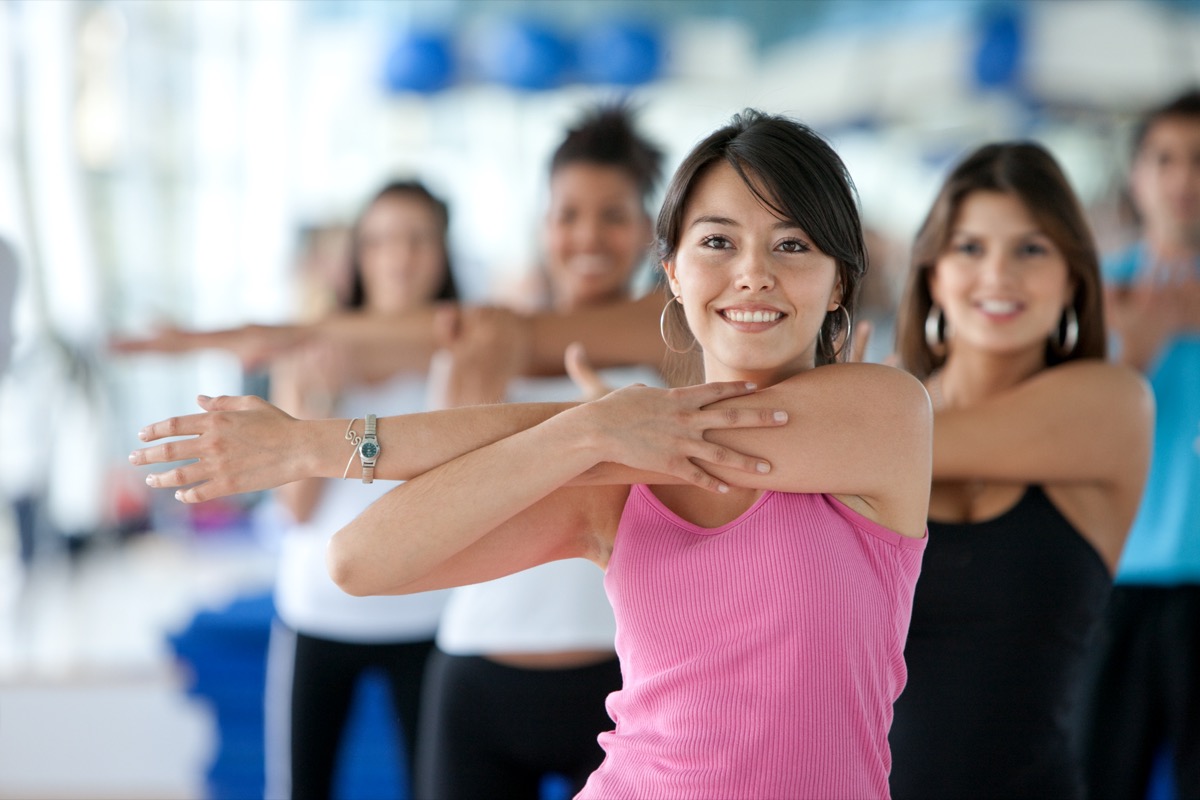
(780, 416)
(722, 488)
(205, 397)
(179, 495)
(142, 434)
(763, 466)
(151, 480)
(133, 457)
(751, 386)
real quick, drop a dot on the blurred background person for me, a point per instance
(1040, 453)
(326, 641)
(524, 664)
(1145, 698)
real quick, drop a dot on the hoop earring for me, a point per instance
(849, 322)
(1068, 333)
(662, 329)
(935, 330)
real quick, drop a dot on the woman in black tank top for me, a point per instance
(1040, 453)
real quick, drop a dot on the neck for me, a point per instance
(971, 377)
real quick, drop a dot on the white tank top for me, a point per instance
(306, 598)
(551, 607)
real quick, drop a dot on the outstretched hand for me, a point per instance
(663, 431)
(241, 444)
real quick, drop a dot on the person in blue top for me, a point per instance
(1145, 688)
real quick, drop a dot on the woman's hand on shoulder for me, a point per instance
(665, 433)
(859, 431)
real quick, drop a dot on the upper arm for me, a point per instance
(855, 430)
(1079, 422)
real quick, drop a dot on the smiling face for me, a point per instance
(1001, 281)
(755, 288)
(402, 252)
(596, 234)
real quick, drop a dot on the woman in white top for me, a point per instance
(517, 686)
(326, 641)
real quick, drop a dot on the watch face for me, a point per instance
(368, 450)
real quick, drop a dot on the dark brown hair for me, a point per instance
(802, 180)
(1185, 106)
(1028, 172)
(605, 136)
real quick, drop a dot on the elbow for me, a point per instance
(346, 568)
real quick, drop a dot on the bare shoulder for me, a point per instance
(1100, 385)
(865, 392)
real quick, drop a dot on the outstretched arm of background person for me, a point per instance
(384, 344)
(1085, 421)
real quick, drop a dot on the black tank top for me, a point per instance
(1003, 613)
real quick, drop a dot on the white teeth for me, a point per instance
(753, 316)
(998, 306)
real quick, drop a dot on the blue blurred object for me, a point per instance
(525, 54)
(999, 59)
(225, 651)
(626, 53)
(419, 61)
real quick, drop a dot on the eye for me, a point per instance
(968, 248)
(794, 246)
(1033, 249)
(716, 242)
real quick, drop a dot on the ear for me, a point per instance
(669, 269)
(835, 299)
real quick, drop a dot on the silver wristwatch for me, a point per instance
(368, 450)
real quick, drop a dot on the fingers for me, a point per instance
(447, 324)
(582, 373)
(244, 402)
(190, 425)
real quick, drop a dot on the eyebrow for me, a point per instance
(782, 224)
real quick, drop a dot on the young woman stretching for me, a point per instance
(1039, 456)
(762, 600)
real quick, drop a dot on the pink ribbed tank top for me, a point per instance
(760, 659)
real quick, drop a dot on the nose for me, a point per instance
(587, 233)
(755, 273)
(997, 267)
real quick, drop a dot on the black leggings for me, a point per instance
(494, 731)
(319, 694)
(1144, 693)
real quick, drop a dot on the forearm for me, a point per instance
(413, 444)
(383, 344)
(613, 335)
(300, 498)
(434, 530)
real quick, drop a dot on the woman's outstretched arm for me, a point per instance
(245, 444)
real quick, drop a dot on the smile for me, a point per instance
(751, 316)
(999, 306)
